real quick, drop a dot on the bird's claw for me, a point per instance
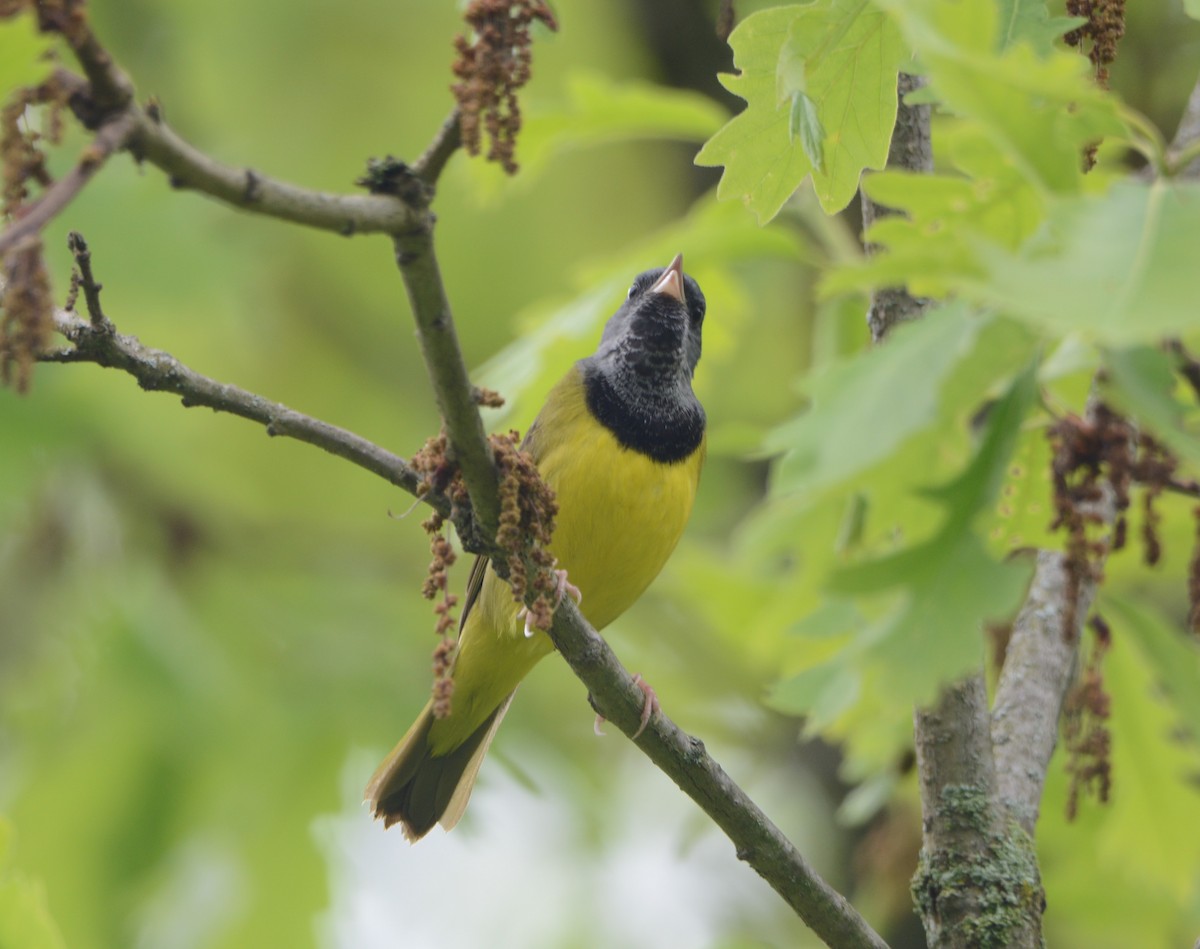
(648, 708)
(562, 587)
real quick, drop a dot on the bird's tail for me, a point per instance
(417, 789)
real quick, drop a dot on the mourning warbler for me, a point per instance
(621, 441)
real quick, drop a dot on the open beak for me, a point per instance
(671, 282)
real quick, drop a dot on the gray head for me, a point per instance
(639, 381)
(657, 329)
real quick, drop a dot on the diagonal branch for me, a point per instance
(1039, 666)
(111, 137)
(615, 694)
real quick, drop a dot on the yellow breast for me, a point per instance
(621, 515)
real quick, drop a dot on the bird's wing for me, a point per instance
(474, 585)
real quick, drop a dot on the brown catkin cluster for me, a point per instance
(491, 69)
(1085, 726)
(27, 320)
(440, 473)
(527, 511)
(437, 583)
(1089, 455)
(1104, 28)
(22, 159)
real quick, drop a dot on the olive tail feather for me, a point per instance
(416, 789)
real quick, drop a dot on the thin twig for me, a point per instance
(87, 280)
(158, 371)
(111, 138)
(448, 140)
(187, 167)
(448, 375)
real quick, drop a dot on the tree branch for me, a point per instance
(187, 167)
(448, 140)
(99, 342)
(1039, 666)
(614, 694)
(112, 136)
(911, 148)
(448, 375)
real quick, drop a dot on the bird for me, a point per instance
(621, 440)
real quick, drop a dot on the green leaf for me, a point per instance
(595, 110)
(804, 122)
(945, 588)
(821, 694)
(1040, 111)
(1023, 512)
(1029, 21)
(23, 52)
(925, 247)
(1141, 381)
(1154, 793)
(978, 485)
(1170, 651)
(865, 406)
(1119, 269)
(25, 920)
(844, 56)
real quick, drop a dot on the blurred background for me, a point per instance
(208, 638)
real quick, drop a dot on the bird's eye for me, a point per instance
(633, 289)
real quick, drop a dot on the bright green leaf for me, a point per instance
(1029, 21)
(821, 694)
(1153, 793)
(948, 586)
(594, 110)
(978, 485)
(833, 618)
(803, 122)
(1119, 269)
(1023, 512)
(1040, 111)
(865, 406)
(1171, 652)
(1141, 381)
(844, 56)
(25, 920)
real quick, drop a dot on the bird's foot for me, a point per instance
(648, 708)
(651, 704)
(562, 588)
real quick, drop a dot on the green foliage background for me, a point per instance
(207, 637)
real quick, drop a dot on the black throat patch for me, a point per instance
(663, 423)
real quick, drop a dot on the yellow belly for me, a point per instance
(620, 516)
